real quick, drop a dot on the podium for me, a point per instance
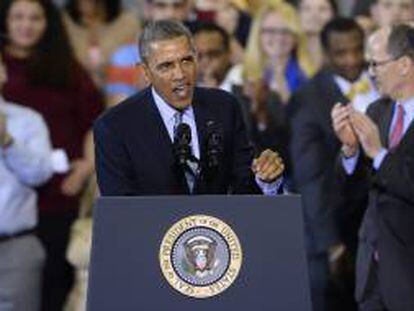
(182, 253)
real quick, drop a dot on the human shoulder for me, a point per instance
(376, 109)
(127, 110)
(16, 112)
(214, 98)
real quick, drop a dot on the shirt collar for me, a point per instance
(408, 106)
(346, 85)
(167, 111)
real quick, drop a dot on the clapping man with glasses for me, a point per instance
(377, 163)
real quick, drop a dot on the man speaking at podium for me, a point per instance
(175, 138)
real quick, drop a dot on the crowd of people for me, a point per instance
(304, 80)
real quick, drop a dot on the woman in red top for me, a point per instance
(44, 75)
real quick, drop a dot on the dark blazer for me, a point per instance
(388, 224)
(329, 217)
(134, 154)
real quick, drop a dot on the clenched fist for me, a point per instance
(268, 166)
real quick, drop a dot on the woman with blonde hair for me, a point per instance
(276, 49)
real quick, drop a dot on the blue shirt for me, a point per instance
(23, 165)
(167, 113)
(350, 163)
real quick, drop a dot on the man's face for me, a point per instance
(383, 67)
(213, 58)
(346, 54)
(172, 69)
(388, 12)
(169, 9)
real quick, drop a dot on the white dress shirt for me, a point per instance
(23, 165)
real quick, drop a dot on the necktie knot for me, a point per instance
(178, 119)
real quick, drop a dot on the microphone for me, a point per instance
(182, 141)
(214, 145)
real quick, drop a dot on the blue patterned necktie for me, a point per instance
(191, 170)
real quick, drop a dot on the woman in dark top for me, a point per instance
(264, 116)
(43, 75)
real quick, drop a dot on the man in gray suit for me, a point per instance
(377, 157)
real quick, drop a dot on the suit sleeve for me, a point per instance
(395, 176)
(113, 165)
(312, 173)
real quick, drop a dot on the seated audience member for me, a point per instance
(43, 74)
(25, 164)
(213, 54)
(331, 220)
(96, 29)
(276, 51)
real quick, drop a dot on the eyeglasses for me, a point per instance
(276, 31)
(374, 64)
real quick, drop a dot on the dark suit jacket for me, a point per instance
(388, 224)
(134, 154)
(329, 216)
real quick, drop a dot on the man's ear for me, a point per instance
(405, 64)
(146, 69)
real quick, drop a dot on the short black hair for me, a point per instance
(341, 25)
(211, 27)
(112, 9)
(401, 41)
(159, 31)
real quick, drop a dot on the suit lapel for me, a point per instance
(158, 139)
(158, 134)
(331, 94)
(330, 90)
(384, 123)
(408, 136)
(202, 116)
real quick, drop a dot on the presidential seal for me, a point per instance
(200, 256)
